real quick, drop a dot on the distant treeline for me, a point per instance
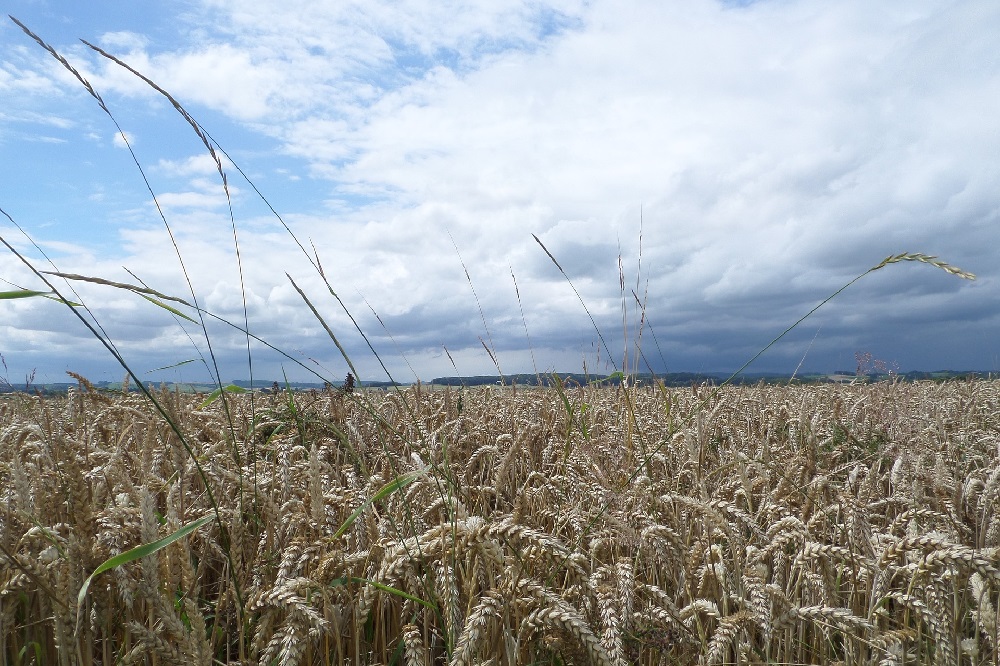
(575, 379)
(674, 379)
(688, 378)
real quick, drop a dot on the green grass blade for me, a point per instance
(140, 551)
(557, 382)
(168, 308)
(386, 490)
(618, 376)
(385, 588)
(30, 293)
(22, 293)
(173, 365)
(217, 393)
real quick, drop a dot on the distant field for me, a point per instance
(786, 525)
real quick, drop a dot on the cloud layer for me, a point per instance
(731, 164)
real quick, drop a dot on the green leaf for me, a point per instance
(175, 365)
(620, 376)
(166, 307)
(23, 293)
(36, 646)
(30, 293)
(139, 551)
(214, 395)
(561, 391)
(385, 588)
(386, 490)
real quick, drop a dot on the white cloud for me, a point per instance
(123, 40)
(49, 120)
(123, 139)
(16, 80)
(201, 200)
(201, 164)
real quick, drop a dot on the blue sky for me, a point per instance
(772, 150)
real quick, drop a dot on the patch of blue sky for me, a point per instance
(85, 192)
(411, 63)
(60, 23)
(545, 24)
(290, 192)
(80, 188)
(65, 188)
(551, 23)
(286, 182)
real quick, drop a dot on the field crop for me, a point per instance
(787, 525)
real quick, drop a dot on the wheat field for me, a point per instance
(750, 525)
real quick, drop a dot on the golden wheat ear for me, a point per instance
(924, 259)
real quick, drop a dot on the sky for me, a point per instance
(726, 164)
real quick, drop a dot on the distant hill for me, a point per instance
(546, 379)
(688, 378)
